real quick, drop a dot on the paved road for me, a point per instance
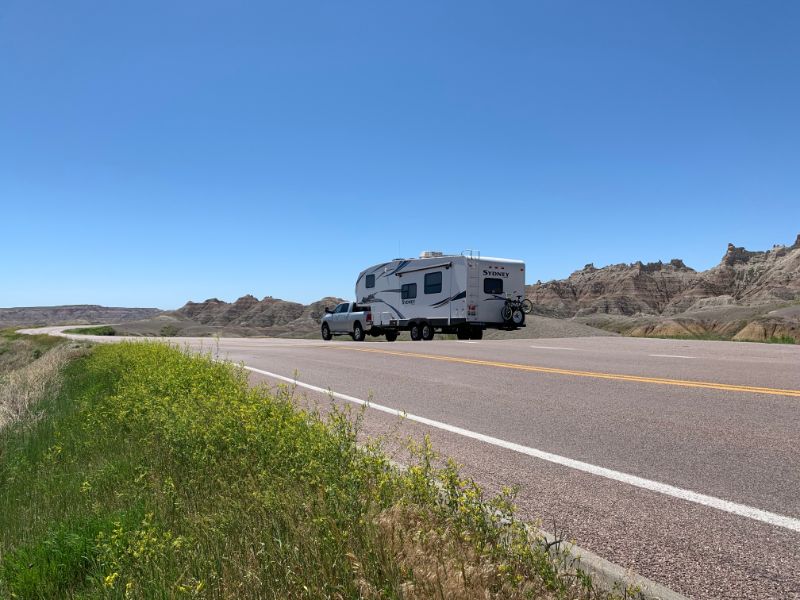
(677, 459)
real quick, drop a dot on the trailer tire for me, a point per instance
(358, 332)
(427, 331)
(391, 336)
(326, 332)
(462, 333)
(416, 332)
(476, 333)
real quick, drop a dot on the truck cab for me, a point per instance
(348, 318)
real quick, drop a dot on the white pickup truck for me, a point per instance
(350, 318)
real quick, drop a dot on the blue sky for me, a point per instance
(156, 152)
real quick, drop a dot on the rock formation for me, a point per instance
(246, 316)
(742, 277)
(737, 298)
(69, 314)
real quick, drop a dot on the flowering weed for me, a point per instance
(156, 473)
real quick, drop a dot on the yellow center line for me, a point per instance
(595, 374)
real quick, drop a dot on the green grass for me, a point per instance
(714, 337)
(96, 330)
(156, 474)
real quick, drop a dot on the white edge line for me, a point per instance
(654, 486)
(552, 348)
(671, 356)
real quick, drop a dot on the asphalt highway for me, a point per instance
(679, 460)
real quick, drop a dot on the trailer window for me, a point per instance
(433, 283)
(492, 286)
(408, 291)
(370, 281)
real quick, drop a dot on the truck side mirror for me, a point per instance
(327, 310)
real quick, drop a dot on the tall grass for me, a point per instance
(17, 350)
(24, 387)
(156, 474)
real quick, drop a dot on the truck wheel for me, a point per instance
(391, 336)
(427, 332)
(476, 334)
(462, 333)
(358, 333)
(518, 317)
(326, 332)
(416, 332)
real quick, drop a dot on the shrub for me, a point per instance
(169, 331)
(96, 330)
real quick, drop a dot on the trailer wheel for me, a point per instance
(427, 332)
(416, 332)
(476, 333)
(462, 333)
(358, 332)
(326, 332)
(391, 336)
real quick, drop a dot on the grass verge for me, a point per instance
(713, 337)
(781, 339)
(17, 350)
(154, 473)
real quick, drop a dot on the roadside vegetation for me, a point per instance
(17, 350)
(149, 472)
(713, 337)
(96, 330)
(30, 369)
(783, 339)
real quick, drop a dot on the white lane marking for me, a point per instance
(552, 348)
(465, 342)
(672, 356)
(654, 486)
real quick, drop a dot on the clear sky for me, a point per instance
(156, 152)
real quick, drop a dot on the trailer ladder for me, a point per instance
(473, 288)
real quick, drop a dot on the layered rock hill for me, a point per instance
(247, 316)
(82, 314)
(250, 312)
(752, 293)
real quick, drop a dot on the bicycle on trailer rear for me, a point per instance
(514, 311)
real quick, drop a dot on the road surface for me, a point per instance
(677, 459)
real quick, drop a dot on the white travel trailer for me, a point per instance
(461, 294)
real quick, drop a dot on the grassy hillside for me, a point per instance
(152, 473)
